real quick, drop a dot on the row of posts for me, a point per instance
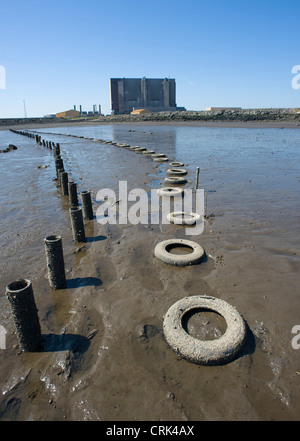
(20, 293)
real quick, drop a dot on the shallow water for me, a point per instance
(251, 237)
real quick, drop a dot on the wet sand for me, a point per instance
(105, 357)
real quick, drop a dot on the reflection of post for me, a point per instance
(200, 211)
(197, 178)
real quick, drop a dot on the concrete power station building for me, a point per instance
(153, 94)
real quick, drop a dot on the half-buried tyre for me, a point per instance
(176, 164)
(161, 159)
(191, 253)
(174, 180)
(170, 191)
(158, 155)
(183, 217)
(176, 172)
(205, 352)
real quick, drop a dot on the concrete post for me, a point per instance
(77, 224)
(64, 183)
(25, 315)
(55, 262)
(59, 172)
(73, 198)
(87, 205)
(59, 164)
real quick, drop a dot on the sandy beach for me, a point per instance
(105, 356)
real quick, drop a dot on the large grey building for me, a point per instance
(154, 94)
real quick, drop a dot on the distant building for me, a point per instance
(68, 113)
(153, 94)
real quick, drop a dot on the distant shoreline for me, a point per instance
(251, 118)
(220, 124)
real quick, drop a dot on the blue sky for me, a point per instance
(221, 52)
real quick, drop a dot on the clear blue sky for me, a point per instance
(221, 52)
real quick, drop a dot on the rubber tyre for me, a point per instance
(173, 180)
(212, 352)
(158, 155)
(160, 251)
(176, 172)
(176, 164)
(174, 219)
(170, 192)
(160, 159)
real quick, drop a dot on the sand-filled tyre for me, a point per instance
(175, 180)
(176, 164)
(162, 252)
(170, 191)
(158, 155)
(205, 352)
(176, 172)
(162, 159)
(183, 217)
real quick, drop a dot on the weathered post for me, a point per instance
(55, 262)
(25, 315)
(87, 205)
(73, 198)
(64, 183)
(77, 224)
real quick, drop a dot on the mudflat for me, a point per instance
(104, 355)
